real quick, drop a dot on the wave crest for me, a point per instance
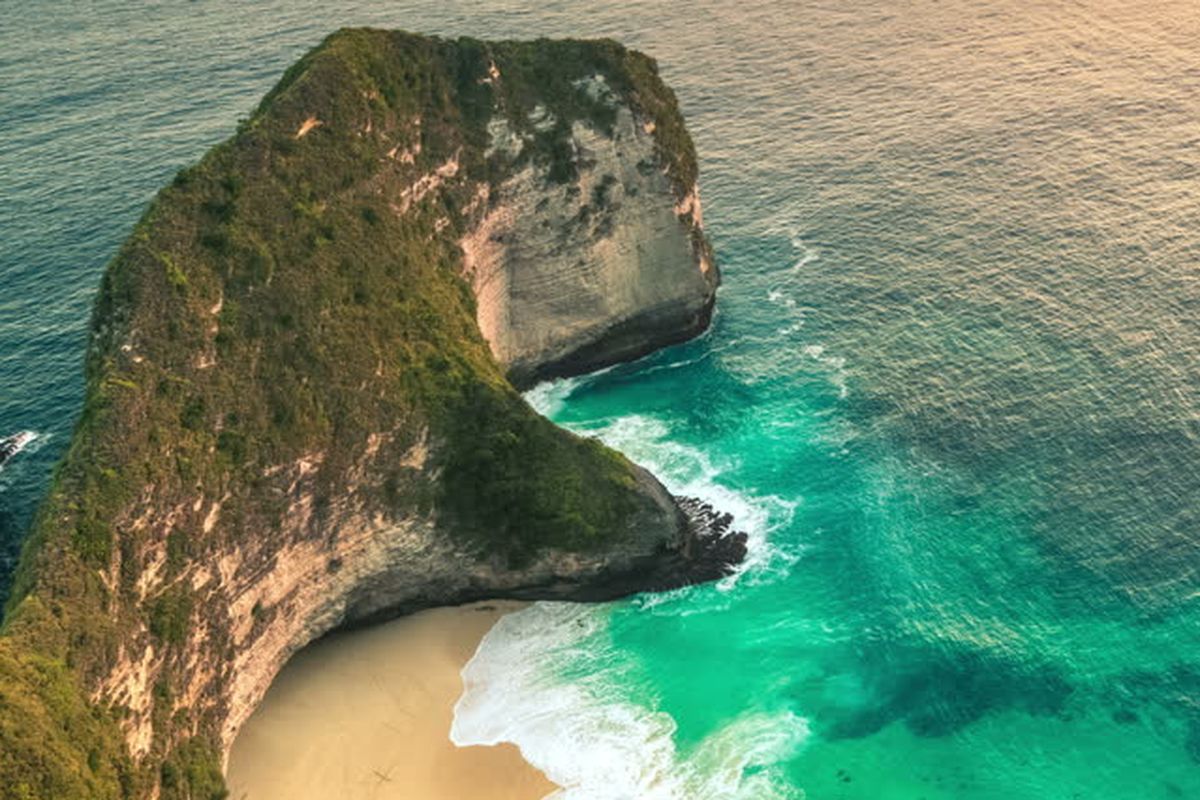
(567, 710)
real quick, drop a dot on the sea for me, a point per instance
(952, 390)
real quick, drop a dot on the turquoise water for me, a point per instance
(952, 389)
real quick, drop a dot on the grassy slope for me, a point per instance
(337, 318)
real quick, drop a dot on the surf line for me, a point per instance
(11, 445)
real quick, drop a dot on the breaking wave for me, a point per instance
(587, 736)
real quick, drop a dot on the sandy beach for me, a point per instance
(366, 716)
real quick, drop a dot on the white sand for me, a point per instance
(367, 715)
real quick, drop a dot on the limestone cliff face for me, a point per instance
(299, 412)
(605, 268)
(265, 598)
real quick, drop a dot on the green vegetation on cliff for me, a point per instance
(297, 295)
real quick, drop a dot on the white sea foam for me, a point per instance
(583, 731)
(691, 472)
(807, 253)
(835, 364)
(34, 443)
(780, 297)
(548, 398)
(670, 365)
(685, 471)
(587, 737)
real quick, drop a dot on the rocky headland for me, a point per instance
(302, 405)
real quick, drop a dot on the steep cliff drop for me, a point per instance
(610, 266)
(300, 406)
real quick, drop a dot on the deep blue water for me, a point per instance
(953, 388)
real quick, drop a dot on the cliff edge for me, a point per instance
(300, 409)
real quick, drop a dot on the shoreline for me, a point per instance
(367, 714)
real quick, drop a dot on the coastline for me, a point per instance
(303, 504)
(367, 714)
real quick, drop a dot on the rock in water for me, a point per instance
(299, 412)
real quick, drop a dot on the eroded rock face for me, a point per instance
(604, 268)
(378, 569)
(298, 416)
(267, 598)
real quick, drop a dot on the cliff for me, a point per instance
(612, 266)
(300, 408)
